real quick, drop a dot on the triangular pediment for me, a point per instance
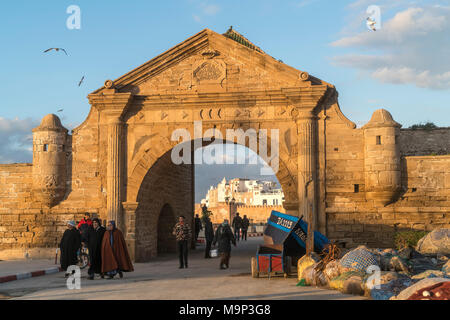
(209, 61)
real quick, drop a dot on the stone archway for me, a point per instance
(213, 80)
(166, 191)
(166, 221)
(157, 184)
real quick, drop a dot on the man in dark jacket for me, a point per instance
(224, 237)
(209, 236)
(182, 232)
(69, 246)
(84, 227)
(197, 226)
(237, 225)
(95, 237)
(244, 227)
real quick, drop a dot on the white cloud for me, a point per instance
(16, 140)
(197, 18)
(204, 8)
(210, 9)
(304, 3)
(411, 48)
(422, 79)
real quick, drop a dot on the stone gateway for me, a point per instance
(360, 184)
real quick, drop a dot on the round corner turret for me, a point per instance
(382, 164)
(49, 161)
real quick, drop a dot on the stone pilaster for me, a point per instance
(113, 107)
(115, 171)
(129, 228)
(307, 169)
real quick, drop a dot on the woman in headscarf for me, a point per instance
(115, 257)
(224, 237)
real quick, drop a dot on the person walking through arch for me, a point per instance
(244, 227)
(224, 237)
(237, 225)
(182, 233)
(209, 236)
(197, 227)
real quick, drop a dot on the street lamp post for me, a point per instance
(227, 200)
(231, 205)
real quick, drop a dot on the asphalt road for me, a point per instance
(162, 280)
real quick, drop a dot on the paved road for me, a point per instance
(161, 279)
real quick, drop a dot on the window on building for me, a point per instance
(356, 188)
(265, 202)
(378, 140)
(45, 147)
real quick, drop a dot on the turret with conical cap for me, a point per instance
(49, 161)
(382, 165)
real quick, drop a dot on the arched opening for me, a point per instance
(169, 190)
(166, 221)
(165, 193)
(243, 183)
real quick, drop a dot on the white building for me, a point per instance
(245, 191)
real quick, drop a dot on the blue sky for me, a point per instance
(403, 67)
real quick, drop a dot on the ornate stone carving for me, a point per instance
(50, 181)
(109, 84)
(304, 76)
(210, 53)
(208, 71)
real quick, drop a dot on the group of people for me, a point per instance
(108, 253)
(224, 237)
(240, 226)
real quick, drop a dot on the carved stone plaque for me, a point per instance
(208, 71)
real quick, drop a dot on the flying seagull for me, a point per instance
(81, 81)
(371, 23)
(56, 49)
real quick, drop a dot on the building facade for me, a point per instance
(244, 192)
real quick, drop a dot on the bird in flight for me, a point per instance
(371, 23)
(81, 81)
(56, 49)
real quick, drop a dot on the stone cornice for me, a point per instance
(116, 104)
(130, 206)
(307, 97)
